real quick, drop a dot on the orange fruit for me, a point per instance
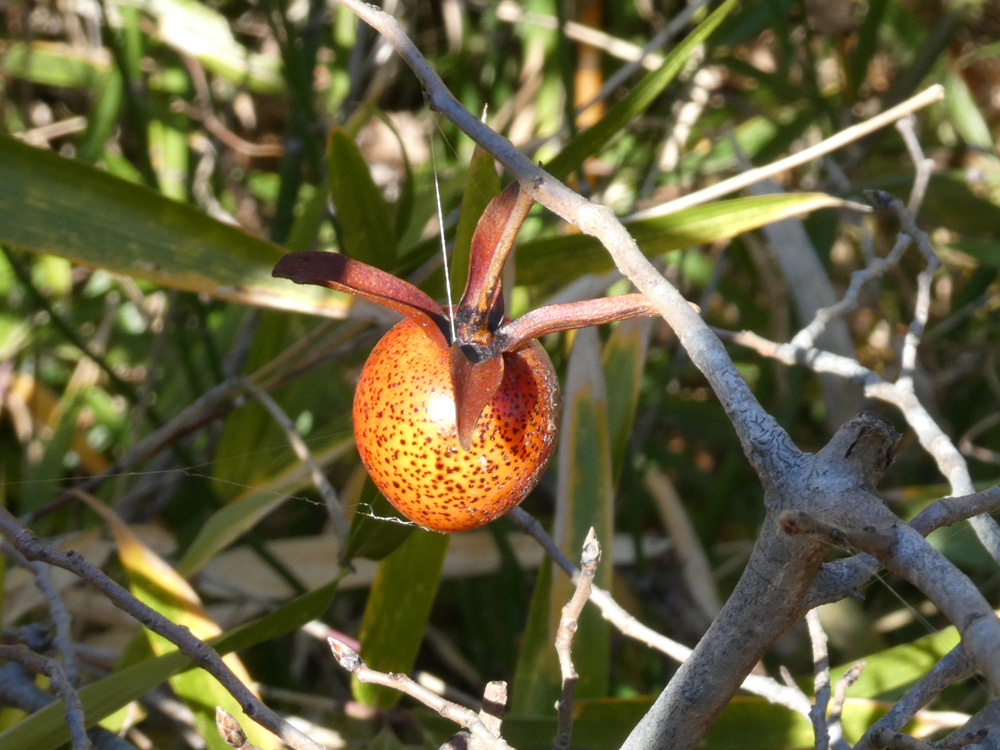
(406, 432)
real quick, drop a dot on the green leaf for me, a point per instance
(624, 361)
(573, 255)
(243, 512)
(965, 112)
(53, 205)
(302, 235)
(55, 64)
(584, 499)
(535, 682)
(397, 611)
(899, 666)
(590, 141)
(197, 30)
(46, 729)
(985, 252)
(172, 165)
(101, 119)
(367, 231)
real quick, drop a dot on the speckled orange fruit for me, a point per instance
(404, 423)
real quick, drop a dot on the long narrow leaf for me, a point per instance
(590, 141)
(573, 255)
(157, 585)
(46, 729)
(624, 361)
(367, 232)
(398, 608)
(53, 205)
(584, 499)
(242, 513)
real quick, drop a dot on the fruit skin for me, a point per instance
(404, 426)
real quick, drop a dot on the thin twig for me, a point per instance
(341, 526)
(888, 740)
(765, 687)
(491, 712)
(63, 640)
(951, 668)
(933, 439)
(745, 179)
(985, 723)
(959, 739)
(568, 623)
(52, 669)
(18, 689)
(924, 166)
(921, 308)
(904, 552)
(951, 510)
(969, 448)
(350, 660)
(821, 679)
(203, 655)
(833, 720)
(874, 270)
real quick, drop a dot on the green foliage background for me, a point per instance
(131, 143)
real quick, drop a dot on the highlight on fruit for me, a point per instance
(456, 418)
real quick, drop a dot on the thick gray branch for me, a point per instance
(779, 574)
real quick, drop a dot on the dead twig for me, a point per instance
(833, 143)
(491, 712)
(821, 679)
(833, 720)
(203, 655)
(63, 640)
(953, 667)
(950, 510)
(765, 687)
(900, 549)
(75, 719)
(341, 526)
(568, 624)
(350, 660)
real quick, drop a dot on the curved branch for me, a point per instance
(764, 442)
(196, 649)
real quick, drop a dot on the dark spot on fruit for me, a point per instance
(443, 487)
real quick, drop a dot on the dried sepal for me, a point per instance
(480, 309)
(476, 374)
(336, 271)
(569, 315)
